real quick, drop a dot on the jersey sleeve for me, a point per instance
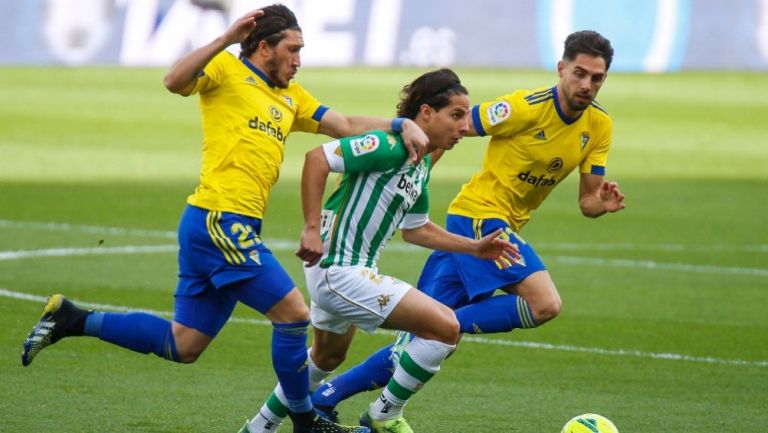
(596, 160)
(333, 155)
(212, 75)
(309, 111)
(505, 115)
(373, 151)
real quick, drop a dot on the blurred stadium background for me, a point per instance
(664, 326)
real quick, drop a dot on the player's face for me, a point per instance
(448, 125)
(284, 60)
(580, 80)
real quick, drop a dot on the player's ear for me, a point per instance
(426, 111)
(263, 48)
(560, 68)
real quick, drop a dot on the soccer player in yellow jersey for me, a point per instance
(249, 107)
(538, 137)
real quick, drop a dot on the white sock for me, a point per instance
(317, 376)
(266, 421)
(413, 371)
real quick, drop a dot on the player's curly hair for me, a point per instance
(433, 88)
(270, 28)
(588, 42)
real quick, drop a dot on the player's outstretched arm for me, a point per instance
(184, 72)
(313, 178)
(338, 125)
(598, 196)
(491, 247)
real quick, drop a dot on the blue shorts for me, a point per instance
(222, 260)
(459, 279)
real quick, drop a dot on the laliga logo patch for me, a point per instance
(367, 144)
(498, 112)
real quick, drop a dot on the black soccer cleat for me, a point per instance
(327, 412)
(312, 422)
(322, 425)
(59, 316)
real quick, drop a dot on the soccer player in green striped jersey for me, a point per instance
(380, 191)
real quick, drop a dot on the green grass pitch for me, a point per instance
(663, 329)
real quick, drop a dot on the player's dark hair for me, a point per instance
(588, 42)
(270, 28)
(433, 88)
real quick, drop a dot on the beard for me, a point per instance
(579, 104)
(273, 72)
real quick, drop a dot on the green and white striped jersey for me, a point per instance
(380, 190)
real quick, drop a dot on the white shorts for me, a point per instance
(346, 295)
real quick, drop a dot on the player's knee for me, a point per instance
(188, 355)
(448, 329)
(289, 310)
(546, 311)
(299, 315)
(329, 361)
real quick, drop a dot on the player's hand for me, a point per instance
(494, 247)
(310, 246)
(611, 197)
(415, 140)
(240, 29)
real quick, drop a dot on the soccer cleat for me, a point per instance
(328, 413)
(58, 316)
(397, 425)
(322, 425)
(312, 422)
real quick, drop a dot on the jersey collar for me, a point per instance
(567, 120)
(257, 71)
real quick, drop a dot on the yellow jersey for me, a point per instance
(246, 121)
(533, 147)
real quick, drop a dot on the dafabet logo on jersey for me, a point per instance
(361, 146)
(498, 112)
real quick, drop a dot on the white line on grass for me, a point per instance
(648, 264)
(69, 252)
(620, 246)
(288, 246)
(468, 338)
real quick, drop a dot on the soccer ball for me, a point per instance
(589, 423)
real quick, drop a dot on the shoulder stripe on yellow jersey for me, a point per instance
(223, 243)
(538, 94)
(538, 101)
(599, 107)
(539, 97)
